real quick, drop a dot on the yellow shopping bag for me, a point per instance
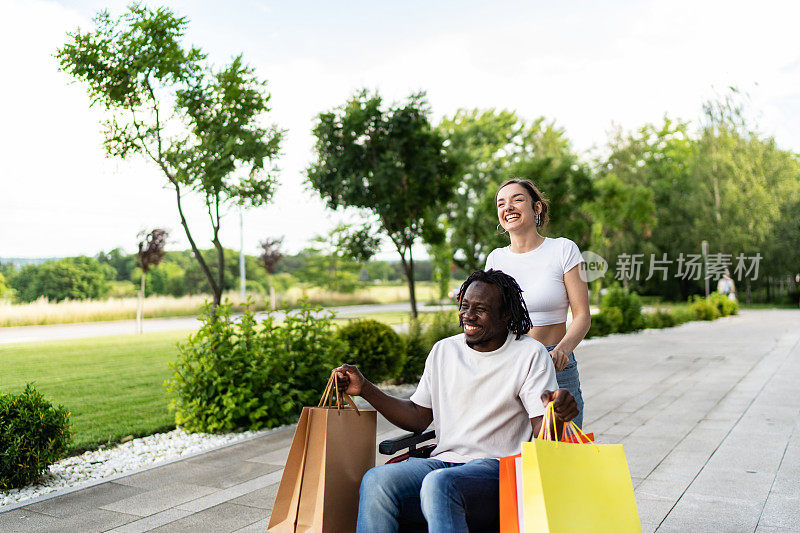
(576, 487)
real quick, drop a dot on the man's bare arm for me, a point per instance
(404, 414)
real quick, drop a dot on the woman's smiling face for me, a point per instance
(515, 208)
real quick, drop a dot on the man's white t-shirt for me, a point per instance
(482, 402)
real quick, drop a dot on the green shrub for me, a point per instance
(628, 304)
(443, 324)
(724, 305)
(605, 322)
(658, 319)
(234, 374)
(417, 350)
(33, 435)
(682, 313)
(374, 348)
(704, 309)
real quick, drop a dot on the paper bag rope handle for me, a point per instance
(549, 422)
(332, 389)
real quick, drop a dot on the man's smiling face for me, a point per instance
(481, 316)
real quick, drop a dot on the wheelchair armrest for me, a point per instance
(409, 440)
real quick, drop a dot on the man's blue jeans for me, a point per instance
(451, 497)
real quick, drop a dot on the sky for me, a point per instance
(588, 66)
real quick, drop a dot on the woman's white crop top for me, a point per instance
(540, 275)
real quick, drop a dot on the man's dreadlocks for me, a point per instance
(519, 322)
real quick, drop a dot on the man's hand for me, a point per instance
(564, 405)
(560, 359)
(350, 380)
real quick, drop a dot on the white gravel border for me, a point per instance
(99, 466)
(107, 464)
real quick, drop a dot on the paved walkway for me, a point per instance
(707, 412)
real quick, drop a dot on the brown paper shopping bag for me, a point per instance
(332, 448)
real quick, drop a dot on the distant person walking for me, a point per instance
(548, 270)
(726, 286)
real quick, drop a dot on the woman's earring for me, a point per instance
(501, 232)
(538, 219)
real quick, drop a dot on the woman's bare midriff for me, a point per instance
(550, 334)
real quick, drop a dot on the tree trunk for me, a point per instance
(748, 298)
(220, 274)
(140, 308)
(408, 268)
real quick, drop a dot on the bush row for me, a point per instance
(621, 312)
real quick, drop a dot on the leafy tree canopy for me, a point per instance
(202, 127)
(389, 162)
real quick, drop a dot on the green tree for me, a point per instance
(73, 278)
(335, 261)
(389, 162)
(122, 263)
(3, 286)
(661, 160)
(489, 147)
(479, 145)
(200, 126)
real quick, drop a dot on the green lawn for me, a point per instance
(113, 386)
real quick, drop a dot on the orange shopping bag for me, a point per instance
(511, 509)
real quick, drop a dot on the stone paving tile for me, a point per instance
(23, 520)
(262, 498)
(781, 511)
(255, 527)
(701, 513)
(95, 520)
(154, 501)
(679, 466)
(193, 474)
(151, 522)
(223, 517)
(224, 495)
(84, 500)
(657, 489)
(653, 510)
(774, 529)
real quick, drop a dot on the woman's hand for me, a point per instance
(350, 380)
(560, 359)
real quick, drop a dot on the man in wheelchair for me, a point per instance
(485, 391)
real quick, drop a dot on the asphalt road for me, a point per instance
(125, 327)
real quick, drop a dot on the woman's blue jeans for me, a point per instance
(450, 497)
(569, 379)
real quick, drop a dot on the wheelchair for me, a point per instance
(410, 442)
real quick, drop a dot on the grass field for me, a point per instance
(113, 386)
(66, 312)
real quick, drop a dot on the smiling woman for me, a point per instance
(550, 274)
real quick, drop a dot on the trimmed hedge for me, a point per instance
(374, 348)
(33, 435)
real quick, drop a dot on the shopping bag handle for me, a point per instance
(570, 427)
(327, 396)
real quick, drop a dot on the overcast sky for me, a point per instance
(586, 65)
